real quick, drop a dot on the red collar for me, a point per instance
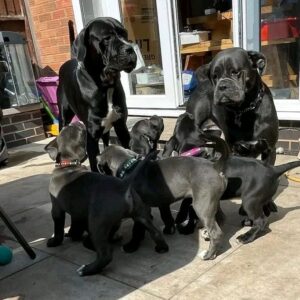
(67, 163)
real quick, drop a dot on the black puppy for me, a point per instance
(97, 203)
(253, 180)
(232, 94)
(163, 182)
(90, 86)
(145, 135)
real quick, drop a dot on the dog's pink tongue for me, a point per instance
(192, 152)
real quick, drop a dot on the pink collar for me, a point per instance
(192, 152)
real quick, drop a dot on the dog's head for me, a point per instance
(103, 44)
(233, 73)
(70, 144)
(110, 160)
(145, 134)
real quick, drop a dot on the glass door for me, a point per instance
(277, 37)
(155, 83)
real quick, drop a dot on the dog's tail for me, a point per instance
(220, 146)
(279, 170)
(71, 35)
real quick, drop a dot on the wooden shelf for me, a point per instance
(269, 9)
(268, 79)
(12, 18)
(209, 18)
(206, 46)
(277, 42)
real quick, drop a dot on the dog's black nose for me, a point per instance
(222, 87)
(129, 50)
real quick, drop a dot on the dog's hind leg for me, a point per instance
(166, 215)
(206, 209)
(138, 234)
(58, 217)
(255, 213)
(76, 230)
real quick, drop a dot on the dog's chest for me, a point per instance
(112, 114)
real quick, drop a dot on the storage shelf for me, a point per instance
(268, 79)
(206, 46)
(227, 15)
(269, 9)
(280, 41)
(12, 18)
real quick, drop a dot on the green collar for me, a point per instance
(127, 166)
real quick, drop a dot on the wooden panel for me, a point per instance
(10, 7)
(18, 8)
(3, 11)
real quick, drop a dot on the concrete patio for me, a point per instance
(268, 268)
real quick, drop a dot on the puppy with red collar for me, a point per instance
(97, 203)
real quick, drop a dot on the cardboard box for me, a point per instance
(140, 20)
(193, 37)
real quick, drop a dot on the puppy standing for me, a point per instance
(145, 135)
(163, 182)
(96, 203)
(90, 86)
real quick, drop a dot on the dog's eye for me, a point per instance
(107, 38)
(235, 73)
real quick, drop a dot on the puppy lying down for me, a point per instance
(97, 203)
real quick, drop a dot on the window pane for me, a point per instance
(140, 20)
(280, 32)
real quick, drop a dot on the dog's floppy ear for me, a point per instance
(79, 47)
(202, 73)
(52, 149)
(258, 61)
(170, 146)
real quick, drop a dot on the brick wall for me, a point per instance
(23, 128)
(50, 28)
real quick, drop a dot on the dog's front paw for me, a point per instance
(205, 255)
(246, 237)
(169, 230)
(132, 246)
(162, 248)
(54, 242)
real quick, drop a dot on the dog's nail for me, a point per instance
(79, 270)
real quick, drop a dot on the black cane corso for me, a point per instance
(90, 86)
(231, 92)
(163, 182)
(97, 203)
(145, 135)
(254, 181)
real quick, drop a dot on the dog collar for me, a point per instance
(67, 163)
(192, 152)
(126, 166)
(253, 105)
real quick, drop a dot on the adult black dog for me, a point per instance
(97, 203)
(145, 135)
(90, 86)
(232, 94)
(163, 182)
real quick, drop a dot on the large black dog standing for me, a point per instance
(232, 94)
(97, 203)
(90, 86)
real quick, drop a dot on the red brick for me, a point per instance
(54, 24)
(58, 14)
(45, 17)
